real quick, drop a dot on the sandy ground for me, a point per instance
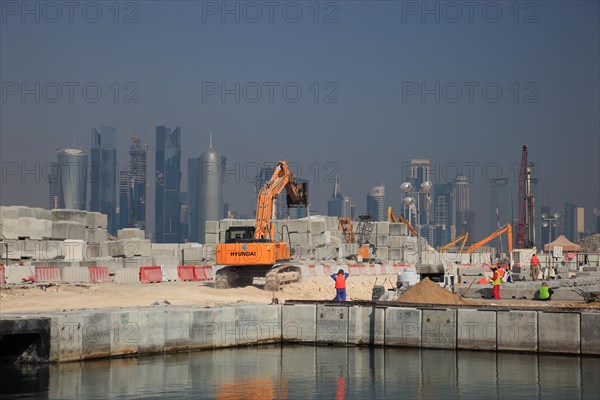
(110, 295)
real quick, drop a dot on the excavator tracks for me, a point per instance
(241, 276)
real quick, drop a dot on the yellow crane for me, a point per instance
(464, 239)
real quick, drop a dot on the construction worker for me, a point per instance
(340, 285)
(496, 279)
(535, 267)
(545, 292)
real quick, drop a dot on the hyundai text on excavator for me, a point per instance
(251, 251)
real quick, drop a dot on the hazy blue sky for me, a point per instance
(374, 58)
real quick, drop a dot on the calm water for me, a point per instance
(306, 372)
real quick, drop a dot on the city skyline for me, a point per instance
(387, 88)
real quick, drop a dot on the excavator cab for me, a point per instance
(301, 198)
(240, 234)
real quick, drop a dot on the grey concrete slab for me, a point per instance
(213, 327)
(517, 330)
(65, 215)
(178, 323)
(131, 233)
(258, 324)
(476, 330)
(10, 228)
(299, 323)
(438, 329)
(66, 337)
(398, 229)
(124, 332)
(403, 327)
(590, 333)
(152, 330)
(96, 334)
(332, 324)
(366, 325)
(559, 332)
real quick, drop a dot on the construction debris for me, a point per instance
(429, 292)
(590, 244)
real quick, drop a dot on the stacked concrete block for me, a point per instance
(193, 254)
(9, 227)
(130, 248)
(398, 229)
(68, 230)
(96, 220)
(137, 262)
(212, 238)
(41, 213)
(33, 228)
(131, 233)
(165, 250)
(76, 216)
(96, 235)
(74, 250)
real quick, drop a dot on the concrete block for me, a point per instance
(211, 227)
(74, 274)
(214, 327)
(96, 220)
(130, 248)
(74, 250)
(382, 253)
(9, 212)
(10, 228)
(131, 233)
(193, 253)
(517, 331)
(211, 238)
(258, 324)
(476, 330)
(178, 329)
(332, 324)
(16, 273)
(398, 229)
(395, 253)
(590, 333)
(25, 212)
(403, 327)
(152, 324)
(96, 334)
(471, 271)
(366, 325)
(559, 332)
(124, 332)
(382, 241)
(382, 228)
(96, 235)
(317, 227)
(66, 337)
(77, 216)
(127, 275)
(396, 241)
(41, 213)
(438, 329)
(299, 323)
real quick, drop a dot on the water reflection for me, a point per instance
(306, 372)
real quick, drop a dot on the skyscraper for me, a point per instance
(56, 200)
(73, 166)
(103, 174)
(570, 221)
(168, 181)
(501, 208)
(205, 191)
(132, 204)
(442, 213)
(376, 203)
(335, 205)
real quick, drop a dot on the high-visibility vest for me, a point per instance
(544, 292)
(496, 278)
(340, 281)
(535, 261)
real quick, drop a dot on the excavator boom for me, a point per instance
(400, 218)
(507, 228)
(464, 239)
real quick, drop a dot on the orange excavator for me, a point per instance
(251, 251)
(506, 228)
(464, 239)
(400, 218)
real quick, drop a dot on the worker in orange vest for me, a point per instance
(340, 285)
(496, 279)
(535, 267)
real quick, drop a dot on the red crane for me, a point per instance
(522, 203)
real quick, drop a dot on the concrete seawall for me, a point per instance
(87, 334)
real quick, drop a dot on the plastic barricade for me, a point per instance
(327, 269)
(47, 274)
(186, 273)
(2, 276)
(383, 269)
(312, 270)
(151, 274)
(98, 274)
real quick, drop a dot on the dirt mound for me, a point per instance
(429, 292)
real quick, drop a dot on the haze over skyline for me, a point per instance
(381, 83)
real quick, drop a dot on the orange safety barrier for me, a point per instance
(186, 273)
(208, 271)
(47, 274)
(98, 274)
(2, 276)
(327, 269)
(203, 272)
(151, 274)
(312, 270)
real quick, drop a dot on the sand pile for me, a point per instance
(429, 292)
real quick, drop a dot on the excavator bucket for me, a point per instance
(298, 197)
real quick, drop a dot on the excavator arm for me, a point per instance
(507, 228)
(464, 239)
(400, 218)
(282, 178)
